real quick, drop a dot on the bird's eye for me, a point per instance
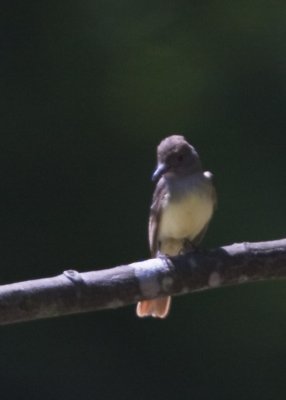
(180, 157)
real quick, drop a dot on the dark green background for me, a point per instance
(88, 89)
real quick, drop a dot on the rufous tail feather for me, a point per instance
(157, 308)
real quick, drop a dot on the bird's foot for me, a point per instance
(159, 254)
(188, 247)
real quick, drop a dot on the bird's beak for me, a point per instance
(160, 170)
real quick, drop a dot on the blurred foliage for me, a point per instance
(88, 90)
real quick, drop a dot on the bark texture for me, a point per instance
(74, 292)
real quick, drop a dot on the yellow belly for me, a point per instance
(185, 218)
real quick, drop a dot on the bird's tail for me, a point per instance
(158, 308)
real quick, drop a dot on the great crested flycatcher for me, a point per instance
(183, 203)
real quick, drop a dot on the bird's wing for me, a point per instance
(155, 216)
(209, 175)
(160, 307)
(197, 240)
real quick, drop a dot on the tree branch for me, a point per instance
(74, 292)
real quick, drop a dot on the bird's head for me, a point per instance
(176, 157)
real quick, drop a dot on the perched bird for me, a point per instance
(183, 203)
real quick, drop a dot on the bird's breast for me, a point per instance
(185, 217)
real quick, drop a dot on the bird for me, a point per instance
(183, 203)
